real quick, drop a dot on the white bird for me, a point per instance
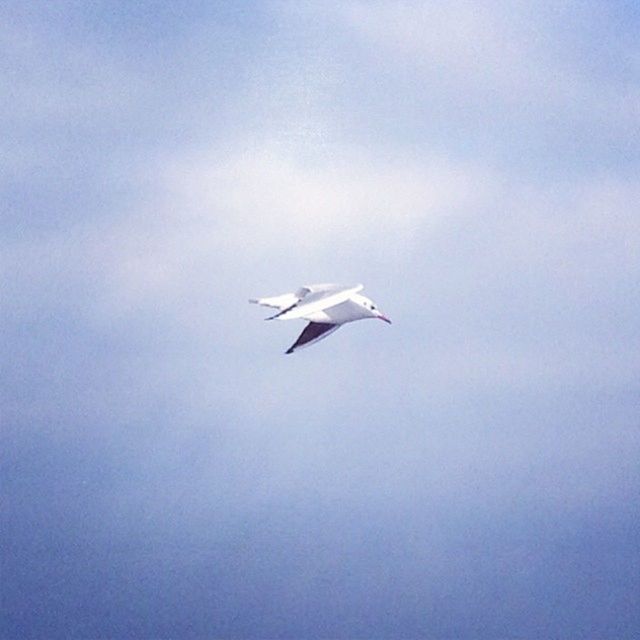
(326, 306)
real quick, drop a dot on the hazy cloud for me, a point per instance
(469, 471)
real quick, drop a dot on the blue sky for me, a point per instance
(470, 471)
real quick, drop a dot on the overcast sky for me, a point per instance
(470, 471)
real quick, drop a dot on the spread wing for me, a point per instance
(313, 332)
(281, 302)
(287, 300)
(317, 298)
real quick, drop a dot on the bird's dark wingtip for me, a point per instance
(288, 351)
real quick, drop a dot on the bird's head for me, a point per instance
(371, 309)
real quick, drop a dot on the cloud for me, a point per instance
(481, 450)
(263, 197)
(515, 60)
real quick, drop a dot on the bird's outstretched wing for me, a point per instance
(313, 332)
(280, 302)
(317, 298)
(287, 300)
(318, 294)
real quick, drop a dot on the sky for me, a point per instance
(470, 471)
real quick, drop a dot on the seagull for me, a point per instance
(326, 306)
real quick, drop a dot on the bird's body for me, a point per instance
(326, 306)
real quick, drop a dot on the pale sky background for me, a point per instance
(471, 471)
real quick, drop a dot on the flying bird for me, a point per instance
(326, 306)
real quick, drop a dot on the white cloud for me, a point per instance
(517, 54)
(576, 231)
(198, 235)
(264, 197)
